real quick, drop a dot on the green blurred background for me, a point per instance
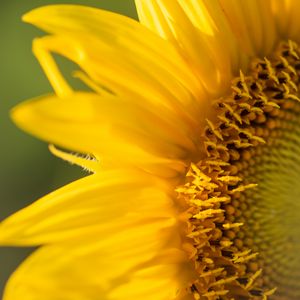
(28, 170)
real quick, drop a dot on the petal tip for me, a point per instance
(37, 13)
(26, 17)
(30, 16)
(19, 115)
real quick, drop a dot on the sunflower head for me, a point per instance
(191, 131)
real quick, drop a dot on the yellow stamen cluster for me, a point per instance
(224, 254)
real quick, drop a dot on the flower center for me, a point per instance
(240, 201)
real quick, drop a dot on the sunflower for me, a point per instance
(190, 129)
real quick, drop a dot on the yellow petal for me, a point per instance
(287, 14)
(102, 204)
(201, 28)
(192, 30)
(110, 127)
(282, 11)
(160, 282)
(253, 24)
(119, 269)
(119, 53)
